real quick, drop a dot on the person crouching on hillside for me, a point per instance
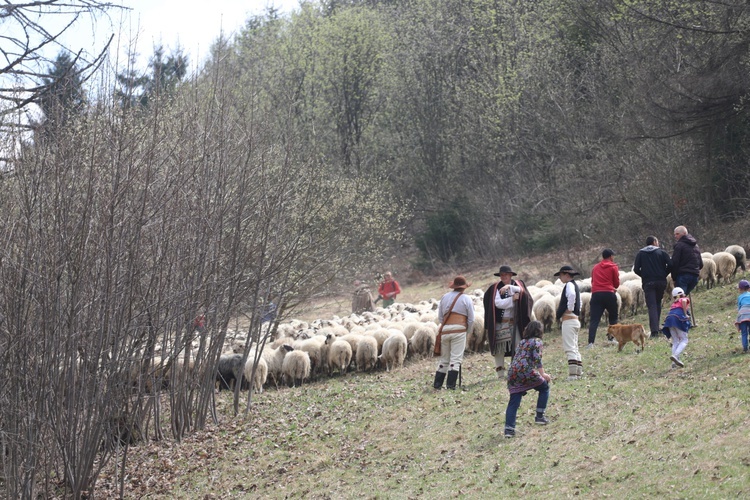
(525, 373)
(507, 311)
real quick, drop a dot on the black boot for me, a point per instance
(439, 377)
(452, 376)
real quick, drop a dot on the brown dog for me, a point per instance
(628, 333)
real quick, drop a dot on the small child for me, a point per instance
(526, 373)
(743, 312)
(677, 324)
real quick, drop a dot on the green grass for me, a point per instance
(632, 427)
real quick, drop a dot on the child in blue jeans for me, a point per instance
(743, 312)
(526, 373)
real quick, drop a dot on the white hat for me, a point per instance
(677, 291)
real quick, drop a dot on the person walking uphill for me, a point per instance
(525, 373)
(743, 312)
(677, 324)
(388, 289)
(567, 313)
(605, 278)
(507, 311)
(686, 260)
(456, 312)
(653, 265)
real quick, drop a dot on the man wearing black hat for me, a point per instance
(605, 278)
(507, 311)
(653, 265)
(567, 313)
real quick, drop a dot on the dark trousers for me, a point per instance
(515, 401)
(687, 282)
(601, 301)
(653, 291)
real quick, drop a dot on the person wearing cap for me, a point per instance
(507, 311)
(743, 312)
(686, 260)
(567, 313)
(677, 324)
(456, 312)
(388, 289)
(605, 278)
(653, 265)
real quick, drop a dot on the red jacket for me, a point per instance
(605, 277)
(387, 287)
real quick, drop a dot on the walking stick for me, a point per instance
(692, 314)
(459, 373)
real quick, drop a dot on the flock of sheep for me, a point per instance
(303, 351)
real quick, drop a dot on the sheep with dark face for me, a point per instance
(739, 256)
(229, 370)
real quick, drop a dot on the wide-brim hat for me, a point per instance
(505, 269)
(459, 283)
(567, 270)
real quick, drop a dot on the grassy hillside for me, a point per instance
(632, 427)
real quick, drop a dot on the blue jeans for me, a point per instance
(653, 292)
(686, 281)
(515, 401)
(744, 328)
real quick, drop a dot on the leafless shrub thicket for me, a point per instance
(116, 236)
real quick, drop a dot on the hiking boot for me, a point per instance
(590, 346)
(677, 361)
(573, 377)
(541, 420)
(510, 433)
(654, 335)
(500, 372)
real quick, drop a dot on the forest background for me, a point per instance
(308, 151)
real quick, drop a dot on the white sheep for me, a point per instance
(476, 337)
(726, 265)
(274, 358)
(739, 256)
(542, 283)
(638, 296)
(296, 368)
(708, 272)
(626, 299)
(423, 341)
(339, 355)
(261, 373)
(394, 351)
(544, 310)
(367, 353)
(585, 308)
(312, 347)
(628, 276)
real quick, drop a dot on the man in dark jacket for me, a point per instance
(653, 265)
(686, 260)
